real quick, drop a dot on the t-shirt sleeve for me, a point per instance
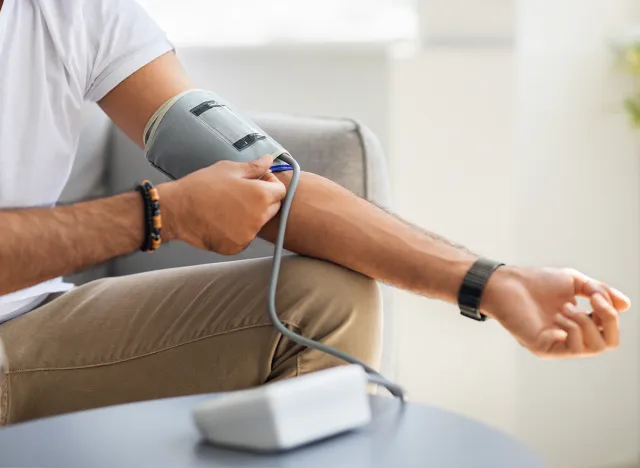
(122, 38)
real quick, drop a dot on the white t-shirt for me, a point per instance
(54, 55)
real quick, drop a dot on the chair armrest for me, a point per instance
(341, 150)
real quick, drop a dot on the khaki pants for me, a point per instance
(182, 331)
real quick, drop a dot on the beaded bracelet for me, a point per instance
(152, 216)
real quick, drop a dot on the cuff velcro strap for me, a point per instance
(473, 285)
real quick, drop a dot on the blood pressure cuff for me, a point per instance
(199, 128)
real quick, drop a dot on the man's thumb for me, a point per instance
(259, 167)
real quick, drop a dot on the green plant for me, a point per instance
(632, 65)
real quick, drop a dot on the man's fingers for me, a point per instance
(596, 319)
(269, 177)
(275, 189)
(574, 341)
(621, 302)
(271, 183)
(551, 343)
(593, 341)
(258, 168)
(597, 332)
(272, 210)
(609, 320)
(587, 287)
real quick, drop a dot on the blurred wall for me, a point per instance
(577, 198)
(323, 80)
(451, 150)
(471, 23)
(457, 94)
(533, 135)
(519, 123)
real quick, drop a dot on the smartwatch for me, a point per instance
(473, 286)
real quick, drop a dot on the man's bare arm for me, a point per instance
(43, 243)
(39, 244)
(131, 104)
(326, 222)
(329, 222)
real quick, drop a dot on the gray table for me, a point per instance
(161, 434)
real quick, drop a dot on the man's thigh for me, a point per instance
(180, 331)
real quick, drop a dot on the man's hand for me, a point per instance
(538, 307)
(223, 207)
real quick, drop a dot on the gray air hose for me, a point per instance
(197, 129)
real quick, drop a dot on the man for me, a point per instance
(201, 329)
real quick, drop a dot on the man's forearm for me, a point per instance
(41, 244)
(326, 221)
(331, 223)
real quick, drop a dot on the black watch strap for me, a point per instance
(472, 288)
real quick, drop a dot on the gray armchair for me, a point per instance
(339, 149)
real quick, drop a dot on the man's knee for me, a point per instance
(333, 304)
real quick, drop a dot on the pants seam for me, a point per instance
(139, 356)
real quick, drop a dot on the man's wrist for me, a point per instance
(500, 281)
(446, 277)
(170, 200)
